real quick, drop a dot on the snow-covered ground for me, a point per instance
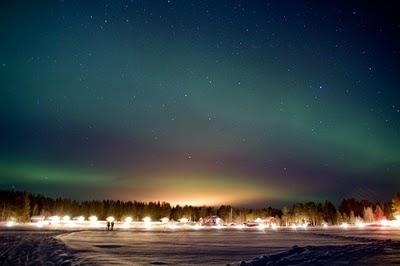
(26, 247)
(219, 247)
(368, 246)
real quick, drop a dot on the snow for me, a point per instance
(322, 255)
(219, 247)
(370, 251)
(249, 246)
(33, 248)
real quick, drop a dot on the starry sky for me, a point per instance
(201, 102)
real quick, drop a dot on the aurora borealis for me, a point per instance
(201, 102)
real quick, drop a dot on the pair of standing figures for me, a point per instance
(110, 226)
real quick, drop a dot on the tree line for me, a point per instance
(22, 206)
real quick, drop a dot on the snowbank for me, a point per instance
(350, 254)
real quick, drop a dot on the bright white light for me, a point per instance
(165, 220)
(93, 219)
(396, 223)
(172, 226)
(67, 221)
(184, 220)
(392, 223)
(147, 222)
(385, 222)
(239, 226)
(218, 226)
(127, 222)
(54, 219)
(197, 226)
(274, 226)
(325, 225)
(304, 225)
(262, 226)
(294, 226)
(10, 223)
(344, 225)
(80, 219)
(110, 219)
(40, 224)
(70, 224)
(258, 220)
(360, 224)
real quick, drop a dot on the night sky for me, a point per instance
(201, 102)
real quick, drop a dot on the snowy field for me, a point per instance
(26, 247)
(368, 246)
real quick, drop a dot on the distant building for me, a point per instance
(211, 220)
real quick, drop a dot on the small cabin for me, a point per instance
(211, 220)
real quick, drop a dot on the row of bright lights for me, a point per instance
(66, 220)
(147, 223)
(94, 219)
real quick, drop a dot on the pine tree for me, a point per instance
(285, 213)
(26, 208)
(352, 218)
(368, 215)
(379, 215)
(339, 218)
(396, 204)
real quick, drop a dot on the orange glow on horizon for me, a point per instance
(191, 189)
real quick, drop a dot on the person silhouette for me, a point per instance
(112, 225)
(108, 226)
